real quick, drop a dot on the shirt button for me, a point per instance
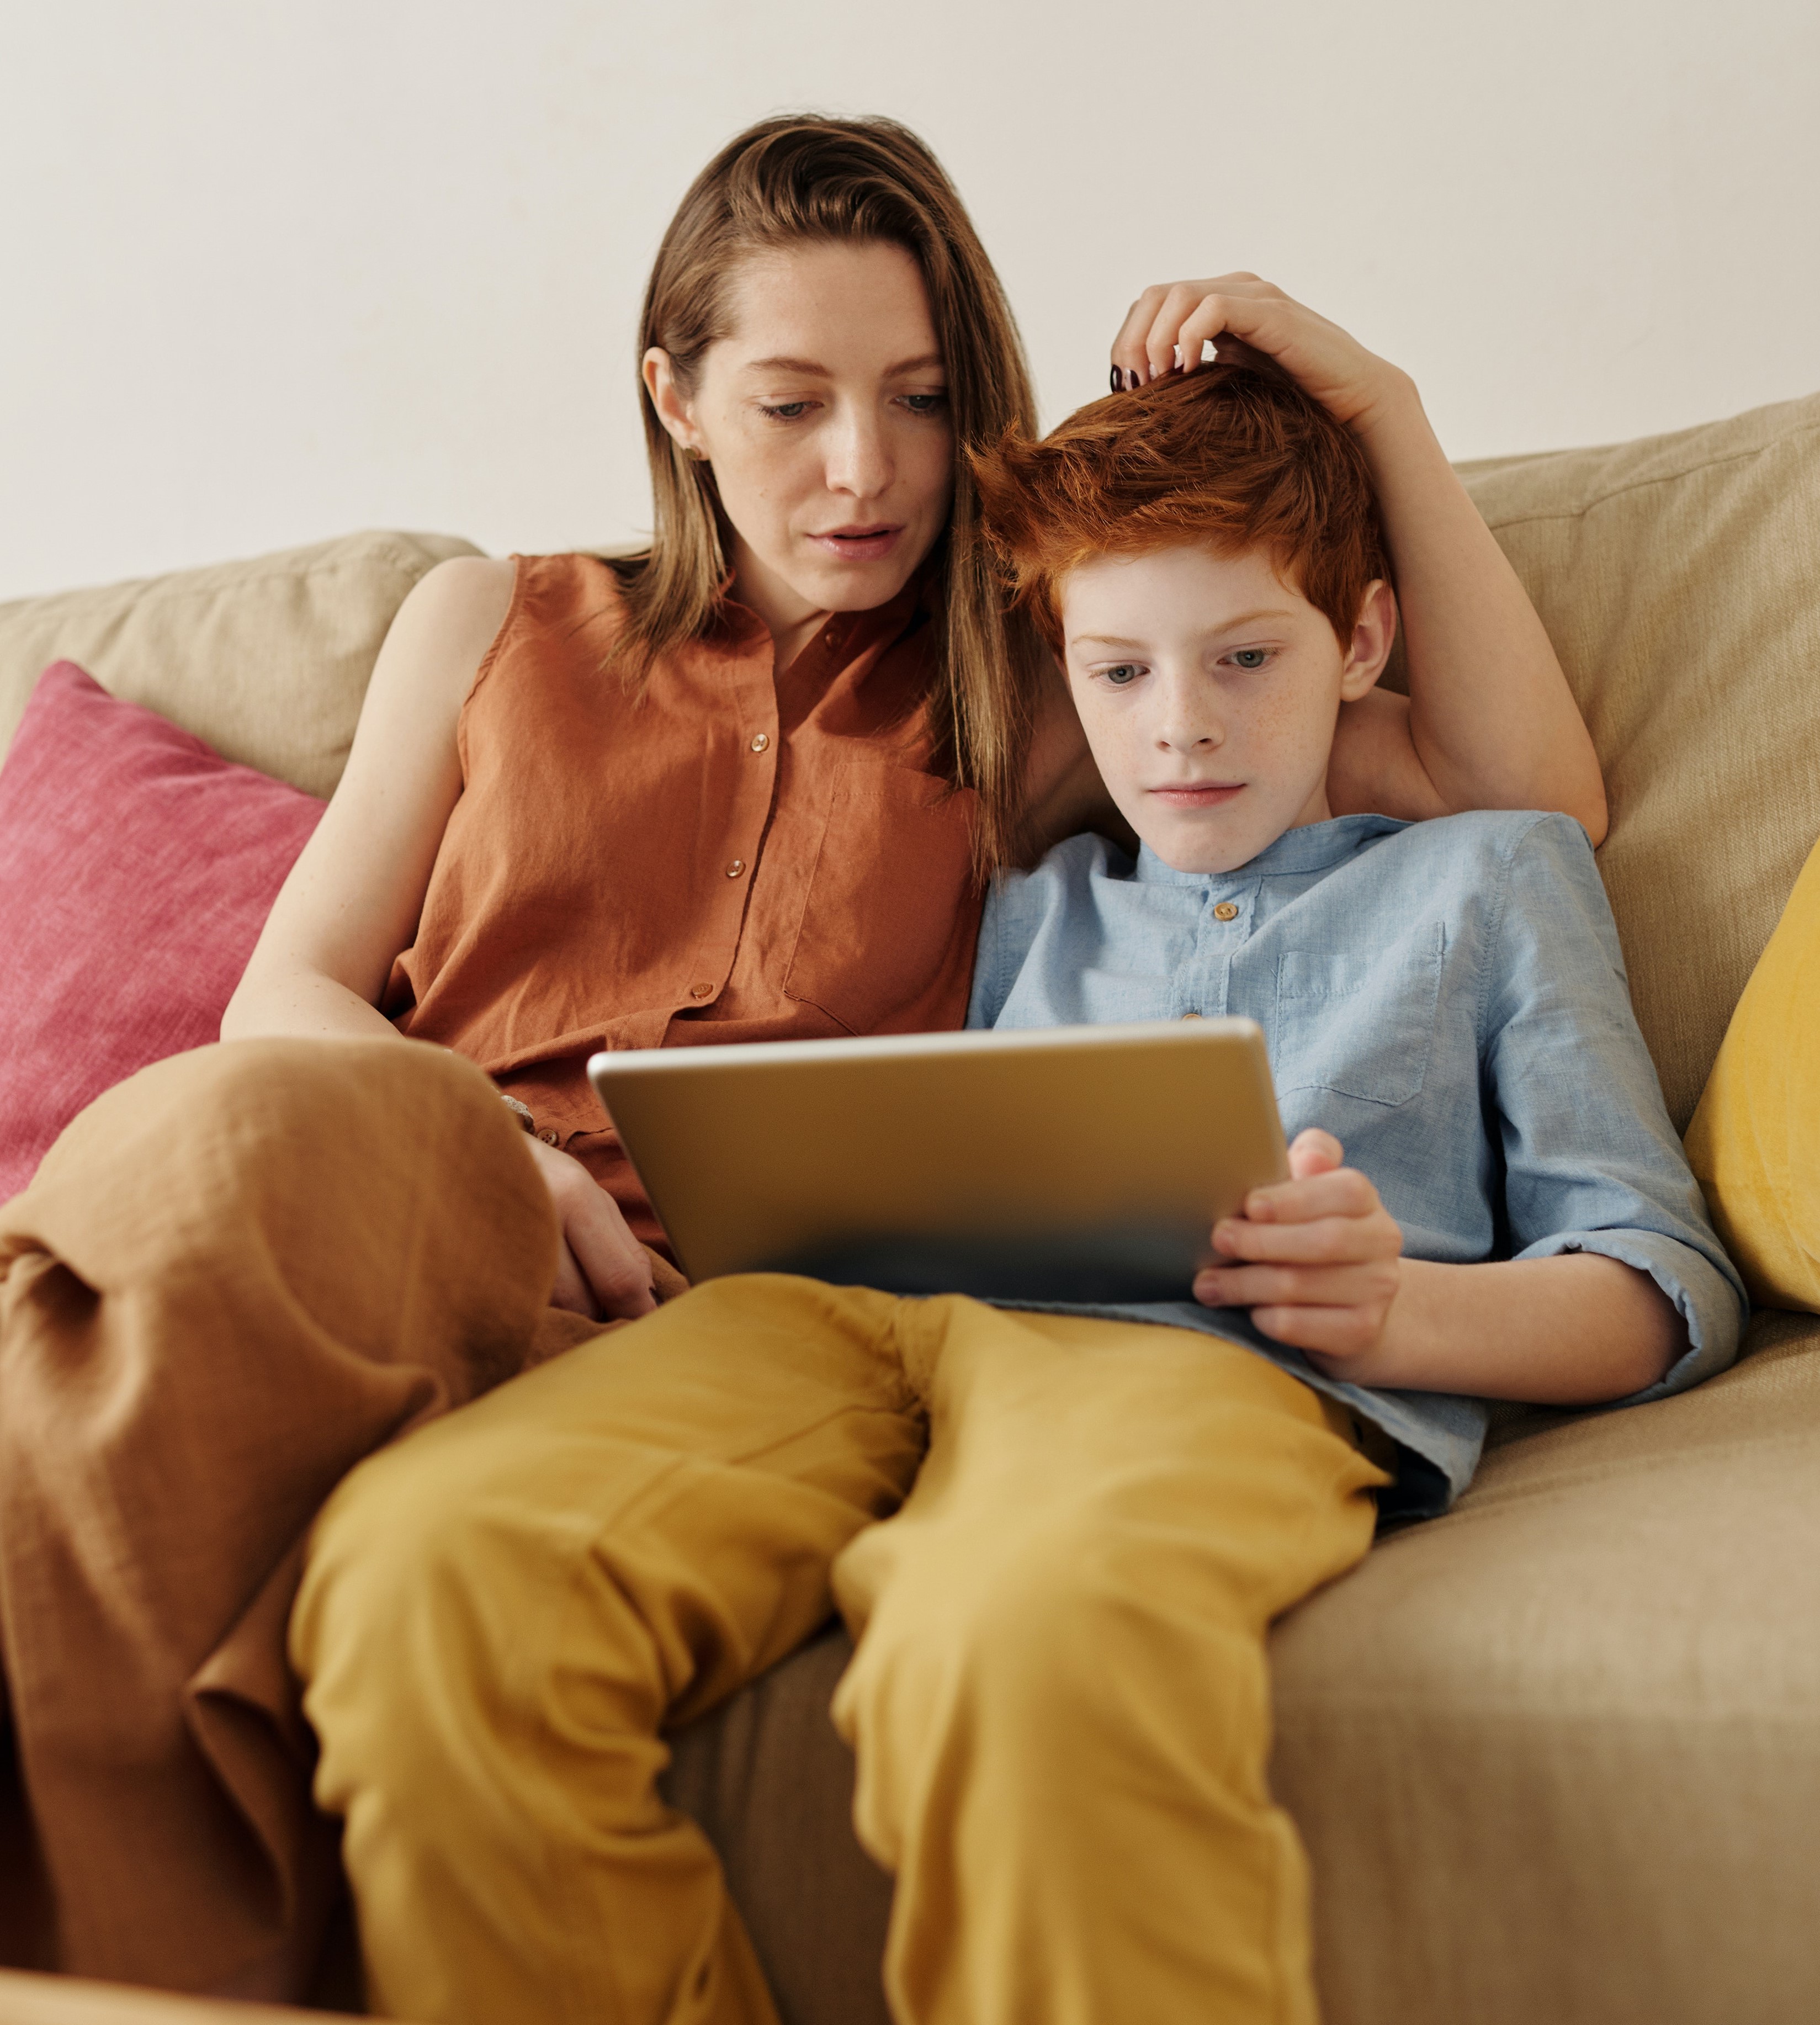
(1225, 911)
(760, 741)
(734, 869)
(701, 991)
(549, 1138)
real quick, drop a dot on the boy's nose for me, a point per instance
(1190, 738)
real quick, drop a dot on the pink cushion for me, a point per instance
(139, 868)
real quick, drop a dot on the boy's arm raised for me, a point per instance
(1489, 721)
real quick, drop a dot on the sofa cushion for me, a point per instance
(140, 869)
(267, 660)
(1677, 577)
(1556, 1756)
(1755, 1141)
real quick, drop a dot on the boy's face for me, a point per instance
(1209, 690)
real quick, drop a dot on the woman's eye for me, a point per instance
(926, 404)
(1123, 675)
(1250, 659)
(785, 411)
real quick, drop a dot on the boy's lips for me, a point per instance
(1198, 794)
(859, 543)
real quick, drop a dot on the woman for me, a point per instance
(812, 650)
(741, 787)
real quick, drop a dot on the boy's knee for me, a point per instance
(1030, 1624)
(407, 1587)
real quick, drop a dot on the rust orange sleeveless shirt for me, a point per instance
(739, 854)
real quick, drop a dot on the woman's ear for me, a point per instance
(1372, 635)
(659, 372)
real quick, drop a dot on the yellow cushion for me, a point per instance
(1755, 1141)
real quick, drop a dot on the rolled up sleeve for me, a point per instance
(1592, 1163)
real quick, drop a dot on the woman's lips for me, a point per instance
(1208, 797)
(859, 544)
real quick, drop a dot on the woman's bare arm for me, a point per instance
(352, 899)
(1489, 721)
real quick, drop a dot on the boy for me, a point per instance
(1445, 998)
(1059, 1538)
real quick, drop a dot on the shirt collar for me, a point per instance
(1312, 848)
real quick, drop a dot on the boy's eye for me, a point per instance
(1250, 659)
(1123, 675)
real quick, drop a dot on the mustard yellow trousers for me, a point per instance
(1058, 1543)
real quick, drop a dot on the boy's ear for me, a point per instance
(1373, 636)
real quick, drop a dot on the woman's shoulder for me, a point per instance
(548, 612)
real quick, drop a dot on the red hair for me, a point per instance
(1235, 456)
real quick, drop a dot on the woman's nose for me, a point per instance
(858, 462)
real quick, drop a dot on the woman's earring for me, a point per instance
(699, 456)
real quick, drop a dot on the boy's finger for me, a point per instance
(1312, 1152)
(1329, 1240)
(1338, 1192)
(1298, 1286)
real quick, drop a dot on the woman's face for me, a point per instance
(824, 414)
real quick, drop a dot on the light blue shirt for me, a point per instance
(1448, 999)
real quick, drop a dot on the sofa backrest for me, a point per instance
(266, 660)
(1678, 577)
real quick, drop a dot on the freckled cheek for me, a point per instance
(1281, 727)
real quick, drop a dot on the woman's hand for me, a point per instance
(1174, 321)
(603, 1272)
(1318, 1258)
(1490, 722)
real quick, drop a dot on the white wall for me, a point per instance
(269, 271)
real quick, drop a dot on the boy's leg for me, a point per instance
(234, 1275)
(501, 1614)
(1060, 1700)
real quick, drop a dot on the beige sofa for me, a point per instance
(1556, 1756)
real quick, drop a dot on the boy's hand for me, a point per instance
(1353, 384)
(1318, 1258)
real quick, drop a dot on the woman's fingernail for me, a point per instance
(1118, 381)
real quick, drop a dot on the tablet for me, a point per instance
(1067, 1163)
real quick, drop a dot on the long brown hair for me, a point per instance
(800, 179)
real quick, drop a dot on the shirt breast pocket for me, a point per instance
(889, 921)
(1360, 1023)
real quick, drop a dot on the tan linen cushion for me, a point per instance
(1679, 579)
(267, 659)
(771, 1782)
(1556, 1756)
